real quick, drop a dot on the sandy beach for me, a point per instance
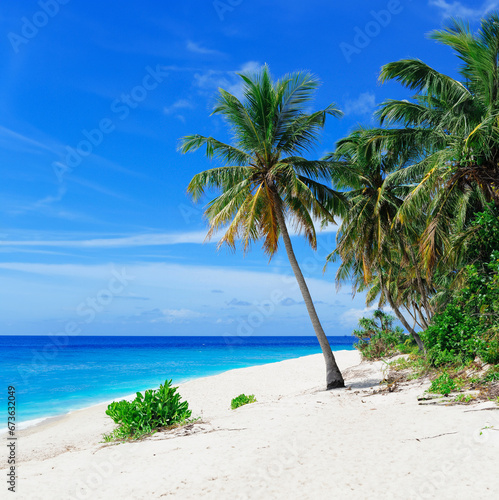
(297, 441)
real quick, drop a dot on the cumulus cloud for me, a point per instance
(457, 9)
(177, 106)
(363, 105)
(211, 80)
(351, 317)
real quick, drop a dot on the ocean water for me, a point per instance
(55, 375)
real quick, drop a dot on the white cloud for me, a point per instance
(457, 9)
(177, 315)
(250, 67)
(363, 105)
(351, 317)
(196, 48)
(178, 295)
(177, 105)
(211, 80)
(139, 240)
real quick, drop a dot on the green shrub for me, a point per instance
(445, 384)
(377, 337)
(242, 400)
(148, 412)
(469, 325)
(492, 375)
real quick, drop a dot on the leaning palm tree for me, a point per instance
(371, 246)
(453, 124)
(265, 181)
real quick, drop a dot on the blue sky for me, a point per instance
(97, 235)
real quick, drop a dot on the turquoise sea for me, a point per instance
(54, 375)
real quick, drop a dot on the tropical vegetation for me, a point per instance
(377, 337)
(417, 196)
(422, 193)
(148, 412)
(242, 400)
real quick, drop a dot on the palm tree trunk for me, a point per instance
(397, 312)
(334, 379)
(422, 289)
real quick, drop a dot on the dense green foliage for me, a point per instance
(421, 230)
(469, 325)
(417, 195)
(242, 400)
(146, 413)
(377, 336)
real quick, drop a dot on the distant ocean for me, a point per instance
(55, 375)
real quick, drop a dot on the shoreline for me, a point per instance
(28, 424)
(297, 441)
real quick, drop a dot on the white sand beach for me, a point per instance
(297, 442)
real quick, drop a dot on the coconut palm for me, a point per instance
(454, 128)
(372, 248)
(265, 180)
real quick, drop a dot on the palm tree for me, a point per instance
(453, 127)
(265, 180)
(373, 250)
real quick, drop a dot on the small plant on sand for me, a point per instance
(444, 384)
(377, 336)
(464, 398)
(242, 400)
(492, 375)
(147, 413)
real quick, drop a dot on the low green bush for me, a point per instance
(492, 375)
(242, 400)
(469, 325)
(378, 338)
(444, 384)
(148, 412)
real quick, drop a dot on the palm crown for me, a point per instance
(453, 128)
(264, 174)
